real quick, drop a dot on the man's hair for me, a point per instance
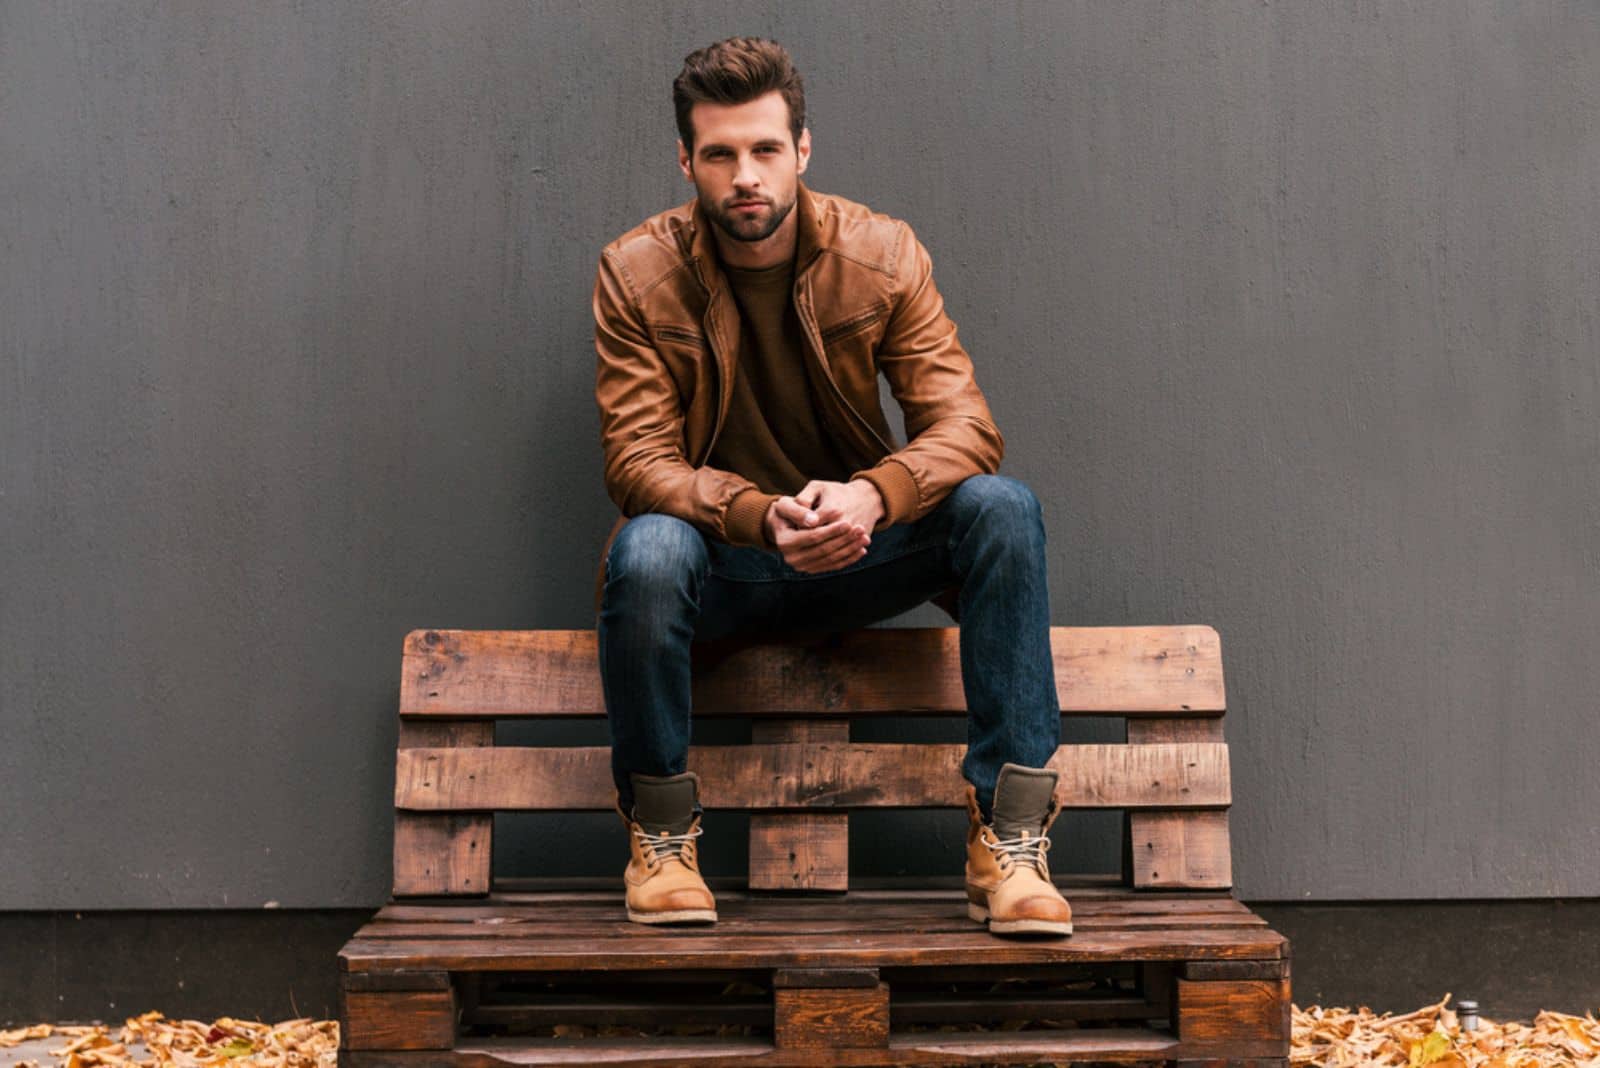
(736, 71)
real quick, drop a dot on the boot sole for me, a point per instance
(977, 912)
(676, 916)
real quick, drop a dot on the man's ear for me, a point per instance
(803, 150)
(683, 161)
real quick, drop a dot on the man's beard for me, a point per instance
(740, 228)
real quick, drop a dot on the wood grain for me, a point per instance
(1235, 1018)
(1171, 670)
(401, 1019)
(802, 850)
(806, 775)
(1131, 1045)
(1177, 849)
(443, 853)
(827, 1018)
(1235, 969)
(644, 951)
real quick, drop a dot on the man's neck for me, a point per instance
(777, 247)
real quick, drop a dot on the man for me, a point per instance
(739, 339)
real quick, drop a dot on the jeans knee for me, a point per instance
(1001, 500)
(655, 552)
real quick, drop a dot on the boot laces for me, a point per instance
(666, 846)
(1024, 849)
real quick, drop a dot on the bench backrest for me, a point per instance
(801, 774)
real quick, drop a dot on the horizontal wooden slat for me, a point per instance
(806, 776)
(1131, 1045)
(368, 982)
(584, 905)
(1171, 670)
(926, 921)
(591, 904)
(604, 916)
(649, 950)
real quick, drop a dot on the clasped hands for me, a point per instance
(826, 525)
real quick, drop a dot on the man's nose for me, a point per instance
(747, 175)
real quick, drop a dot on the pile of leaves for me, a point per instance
(301, 1043)
(1324, 1038)
(1433, 1036)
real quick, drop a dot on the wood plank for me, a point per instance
(827, 1018)
(1181, 850)
(827, 978)
(1235, 969)
(928, 922)
(802, 850)
(1177, 850)
(443, 853)
(807, 775)
(581, 906)
(403, 980)
(920, 1007)
(551, 1010)
(650, 950)
(400, 1019)
(514, 889)
(1123, 1045)
(1237, 1018)
(1171, 670)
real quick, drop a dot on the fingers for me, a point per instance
(819, 496)
(832, 546)
(849, 554)
(797, 515)
(815, 538)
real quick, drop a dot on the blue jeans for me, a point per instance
(666, 584)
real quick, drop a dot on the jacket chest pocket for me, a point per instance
(851, 344)
(685, 353)
(688, 359)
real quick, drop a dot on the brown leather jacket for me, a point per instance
(667, 335)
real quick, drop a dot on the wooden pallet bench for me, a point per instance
(806, 965)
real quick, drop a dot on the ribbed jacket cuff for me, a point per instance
(896, 486)
(746, 512)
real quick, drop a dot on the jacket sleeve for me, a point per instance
(641, 426)
(950, 432)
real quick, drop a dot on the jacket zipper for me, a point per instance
(716, 367)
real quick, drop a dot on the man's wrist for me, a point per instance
(874, 496)
(896, 491)
(746, 522)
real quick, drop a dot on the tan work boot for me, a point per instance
(663, 873)
(1008, 878)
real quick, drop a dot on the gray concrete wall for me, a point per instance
(1288, 311)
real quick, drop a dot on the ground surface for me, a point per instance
(1431, 1035)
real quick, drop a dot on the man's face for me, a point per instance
(744, 155)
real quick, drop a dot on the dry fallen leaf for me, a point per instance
(1429, 1037)
(1340, 1037)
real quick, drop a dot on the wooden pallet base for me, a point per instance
(865, 978)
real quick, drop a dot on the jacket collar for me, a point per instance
(809, 238)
